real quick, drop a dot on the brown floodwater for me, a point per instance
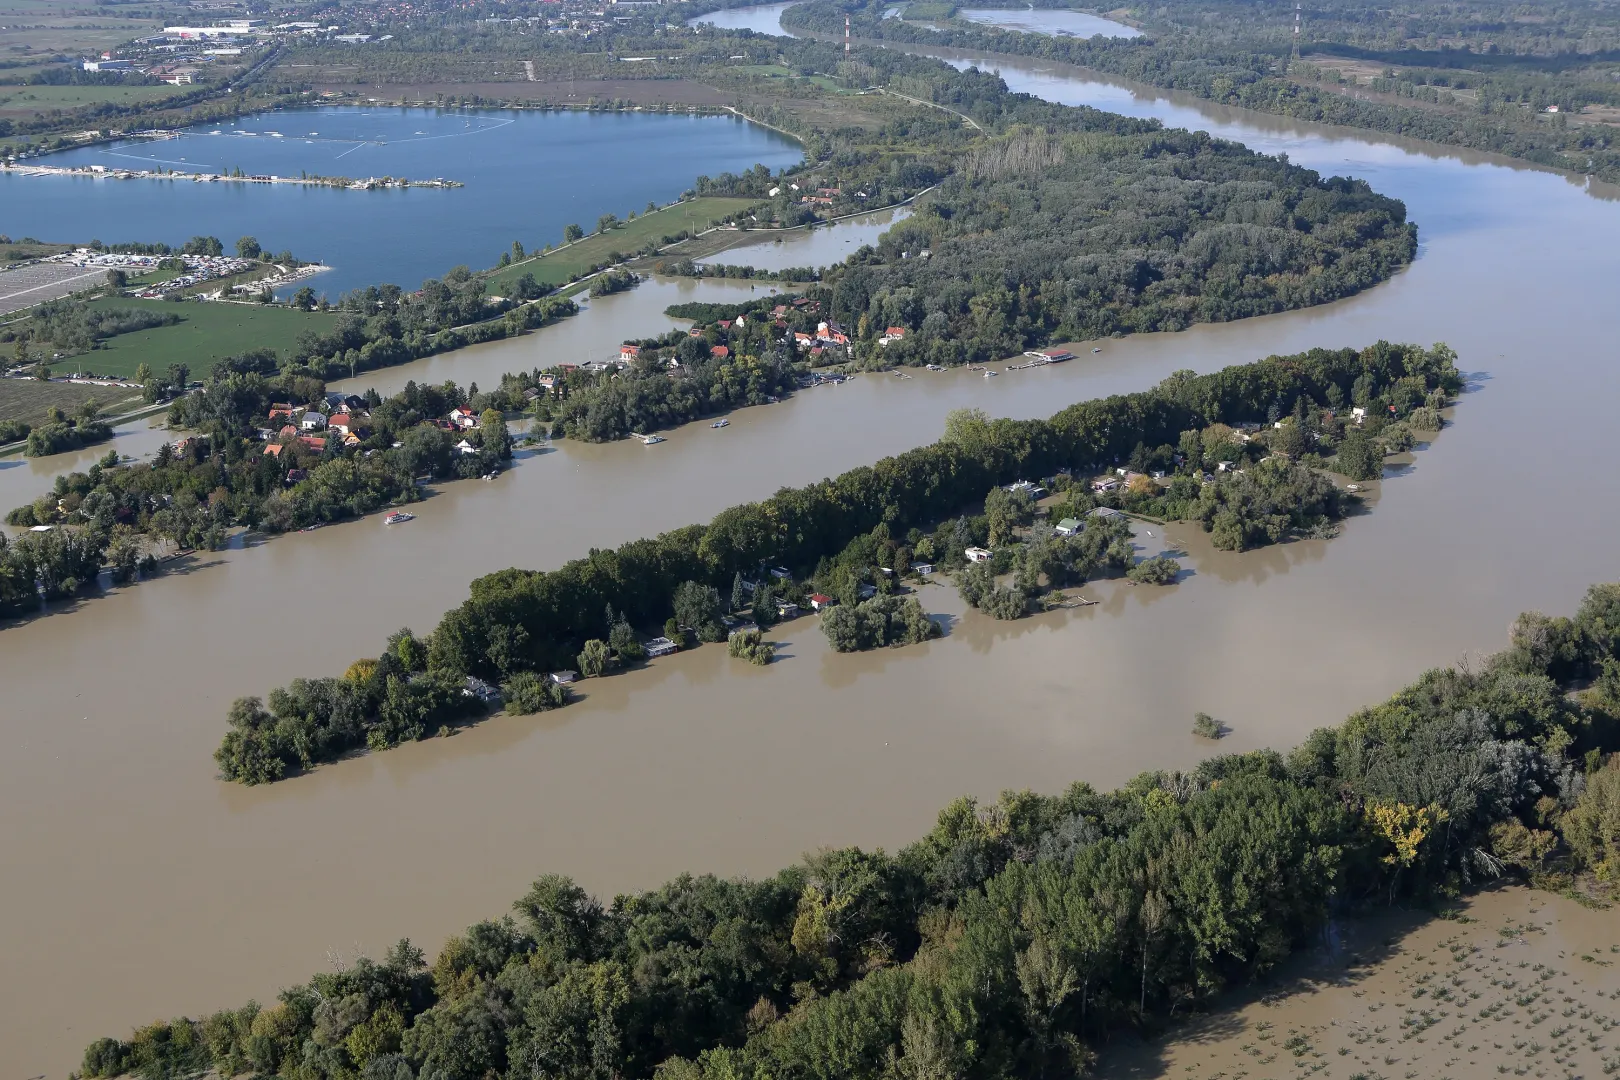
(137, 885)
(1513, 981)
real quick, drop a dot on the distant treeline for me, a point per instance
(1010, 941)
(1232, 67)
(520, 621)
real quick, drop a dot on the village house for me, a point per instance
(821, 601)
(661, 646)
(281, 411)
(1105, 483)
(787, 609)
(1105, 513)
(343, 423)
(312, 442)
(336, 402)
(465, 448)
(483, 691)
(312, 421)
(977, 554)
(922, 569)
(628, 353)
(720, 352)
(1067, 527)
(893, 333)
(463, 418)
(563, 678)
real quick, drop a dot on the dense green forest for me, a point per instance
(518, 621)
(1477, 75)
(1012, 939)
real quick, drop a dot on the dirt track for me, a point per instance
(561, 91)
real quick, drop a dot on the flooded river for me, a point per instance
(139, 886)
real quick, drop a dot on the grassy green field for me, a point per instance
(777, 71)
(25, 399)
(207, 332)
(558, 266)
(18, 101)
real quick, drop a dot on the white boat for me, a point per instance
(721, 423)
(1096, 350)
(398, 517)
(648, 440)
(990, 374)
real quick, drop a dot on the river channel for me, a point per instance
(139, 886)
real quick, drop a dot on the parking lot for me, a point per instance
(25, 286)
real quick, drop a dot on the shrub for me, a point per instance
(880, 621)
(750, 645)
(593, 658)
(1206, 726)
(527, 693)
(1591, 828)
(1005, 604)
(1159, 570)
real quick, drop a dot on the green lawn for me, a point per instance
(27, 100)
(207, 332)
(558, 266)
(777, 71)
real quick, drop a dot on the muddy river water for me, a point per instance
(137, 885)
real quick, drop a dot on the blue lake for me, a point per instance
(527, 175)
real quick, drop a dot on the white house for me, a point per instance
(312, 421)
(464, 447)
(977, 554)
(661, 646)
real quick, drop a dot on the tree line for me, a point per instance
(1219, 51)
(538, 621)
(1014, 938)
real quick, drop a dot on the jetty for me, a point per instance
(105, 172)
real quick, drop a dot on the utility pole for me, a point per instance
(846, 37)
(1296, 31)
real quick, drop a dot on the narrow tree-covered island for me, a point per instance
(842, 541)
